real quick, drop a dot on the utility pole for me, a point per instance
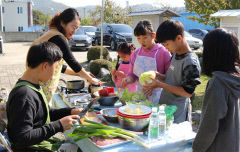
(102, 16)
(84, 15)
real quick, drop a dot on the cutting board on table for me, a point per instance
(93, 117)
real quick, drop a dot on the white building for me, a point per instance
(229, 19)
(16, 15)
(155, 16)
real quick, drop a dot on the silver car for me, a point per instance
(90, 31)
(193, 42)
(80, 40)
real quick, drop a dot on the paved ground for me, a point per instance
(12, 63)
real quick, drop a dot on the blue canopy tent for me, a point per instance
(33, 28)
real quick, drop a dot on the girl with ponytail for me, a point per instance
(124, 52)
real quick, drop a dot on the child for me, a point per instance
(183, 74)
(219, 126)
(124, 52)
(149, 57)
(29, 125)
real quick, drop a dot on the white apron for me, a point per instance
(143, 64)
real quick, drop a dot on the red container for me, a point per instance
(131, 116)
(133, 123)
(110, 90)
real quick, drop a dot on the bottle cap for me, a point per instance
(154, 109)
(162, 108)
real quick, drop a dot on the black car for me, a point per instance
(114, 34)
(198, 33)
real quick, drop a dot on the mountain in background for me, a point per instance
(51, 7)
(48, 6)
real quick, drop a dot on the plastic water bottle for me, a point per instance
(153, 128)
(162, 122)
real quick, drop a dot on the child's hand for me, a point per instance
(68, 121)
(159, 76)
(114, 72)
(126, 81)
(151, 86)
(120, 74)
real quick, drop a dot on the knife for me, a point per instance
(85, 110)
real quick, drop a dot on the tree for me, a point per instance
(39, 18)
(204, 8)
(112, 13)
(86, 21)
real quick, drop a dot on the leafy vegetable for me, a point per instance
(132, 96)
(145, 103)
(98, 129)
(145, 77)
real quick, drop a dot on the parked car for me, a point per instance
(90, 31)
(198, 33)
(193, 42)
(114, 34)
(80, 40)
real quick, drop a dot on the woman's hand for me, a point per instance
(68, 121)
(76, 111)
(95, 81)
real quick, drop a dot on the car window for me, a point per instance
(80, 31)
(204, 32)
(104, 27)
(109, 28)
(120, 28)
(193, 31)
(90, 29)
(187, 34)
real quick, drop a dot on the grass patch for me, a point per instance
(199, 93)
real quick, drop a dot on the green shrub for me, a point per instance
(94, 53)
(96, 65)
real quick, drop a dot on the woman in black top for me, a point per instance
(62, 26)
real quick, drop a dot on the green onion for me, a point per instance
(97, 129)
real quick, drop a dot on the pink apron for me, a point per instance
(118, 82)
(143, 64)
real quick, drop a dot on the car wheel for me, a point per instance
(112, 45)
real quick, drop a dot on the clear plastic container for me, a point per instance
(153, 128)
(162, 122)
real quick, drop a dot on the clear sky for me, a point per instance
(122, 3)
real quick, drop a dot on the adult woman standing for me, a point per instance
(62, 26)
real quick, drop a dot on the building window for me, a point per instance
(19, 10)
(20, 28)
(3, 9)
(4, 28)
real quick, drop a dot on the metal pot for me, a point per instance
(108, 101)
(134, 123)
(75, 84)
(110, 114)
